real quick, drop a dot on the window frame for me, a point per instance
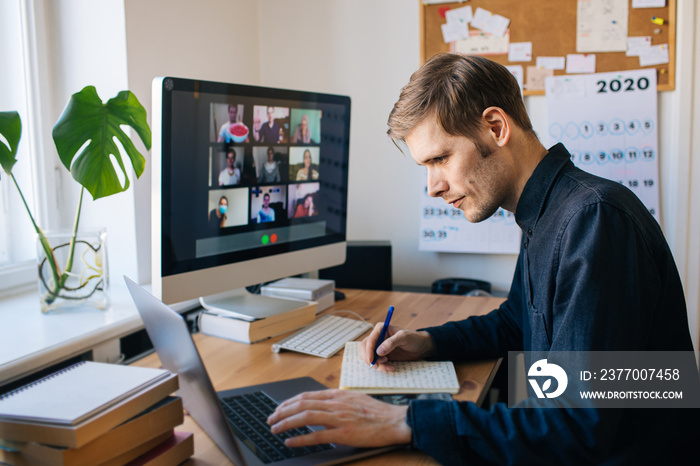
(31, 80)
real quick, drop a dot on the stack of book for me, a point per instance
(251, 318)
(309, 289)
(94, 413)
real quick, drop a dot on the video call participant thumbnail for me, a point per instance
(227, 208)
(302, 200)
(217, 216)
(270, 124)
(304, 163)
(306, 208)
(271, 164)
(231, 173)
(266, 213)
(234, 116)
(268, 203)
(307, 126)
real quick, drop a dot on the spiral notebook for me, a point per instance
(76, 393)
(408, 377)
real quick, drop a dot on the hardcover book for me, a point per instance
(175, 450)
(227, 325)
(127, 441)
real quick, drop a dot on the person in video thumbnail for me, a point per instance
(302, 134)
(225, 131)
(231, 174)
(270, 131)
(306, 208)
(307, 172)
(267, 213)
(270, 171)
(217, 217)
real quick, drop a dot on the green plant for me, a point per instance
(84, 137)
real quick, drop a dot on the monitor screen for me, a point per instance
(249, 185)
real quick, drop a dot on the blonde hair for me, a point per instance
(456, 89)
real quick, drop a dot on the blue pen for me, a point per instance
(382, 335)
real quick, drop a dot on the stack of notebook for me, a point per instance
(95, 413)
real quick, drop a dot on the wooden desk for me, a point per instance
(232, 364)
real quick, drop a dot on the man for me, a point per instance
(270, 171)
(231, 174)
(266, 213)
(270, 130)
(594, 274)
(225, 130)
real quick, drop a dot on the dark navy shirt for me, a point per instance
(594, 274)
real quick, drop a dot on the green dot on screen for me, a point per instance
(265, 239)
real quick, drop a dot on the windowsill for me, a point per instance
(30, 340)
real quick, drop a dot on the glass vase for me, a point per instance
(78, 282)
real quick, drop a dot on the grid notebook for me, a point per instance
(409, 377)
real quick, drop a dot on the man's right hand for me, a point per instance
(399, 345)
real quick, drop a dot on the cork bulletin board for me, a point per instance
(551, 27)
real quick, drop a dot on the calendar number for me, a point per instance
(431, 235)
(626, 85)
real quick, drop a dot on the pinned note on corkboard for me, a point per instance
(544, 31)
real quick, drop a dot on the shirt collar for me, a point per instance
(538, 187)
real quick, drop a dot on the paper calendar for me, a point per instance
(444, 229)
(608, 122)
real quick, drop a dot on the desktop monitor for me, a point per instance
(249, 185)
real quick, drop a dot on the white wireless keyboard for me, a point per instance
(325, 337)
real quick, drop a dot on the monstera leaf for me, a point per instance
(11, 130)
(87, 120)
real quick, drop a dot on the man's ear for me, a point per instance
(498, 125)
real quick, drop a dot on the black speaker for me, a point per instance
(367, 266)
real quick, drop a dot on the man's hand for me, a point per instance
(399, 345)
(350, 418)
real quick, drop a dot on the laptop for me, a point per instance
(228, 416)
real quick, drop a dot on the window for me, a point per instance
(18, 92)
(51, 50)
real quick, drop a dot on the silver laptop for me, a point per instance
(226, 416)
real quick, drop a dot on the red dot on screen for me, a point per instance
(273, 238)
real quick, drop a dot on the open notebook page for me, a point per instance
(409, 377)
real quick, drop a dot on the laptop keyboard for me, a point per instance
(248, 415)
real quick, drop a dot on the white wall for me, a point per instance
(368, 49)
(692, 266)
(212, 40)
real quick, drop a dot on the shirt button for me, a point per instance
(529, 232)
(525, 244)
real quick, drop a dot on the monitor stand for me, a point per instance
(248, 306)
